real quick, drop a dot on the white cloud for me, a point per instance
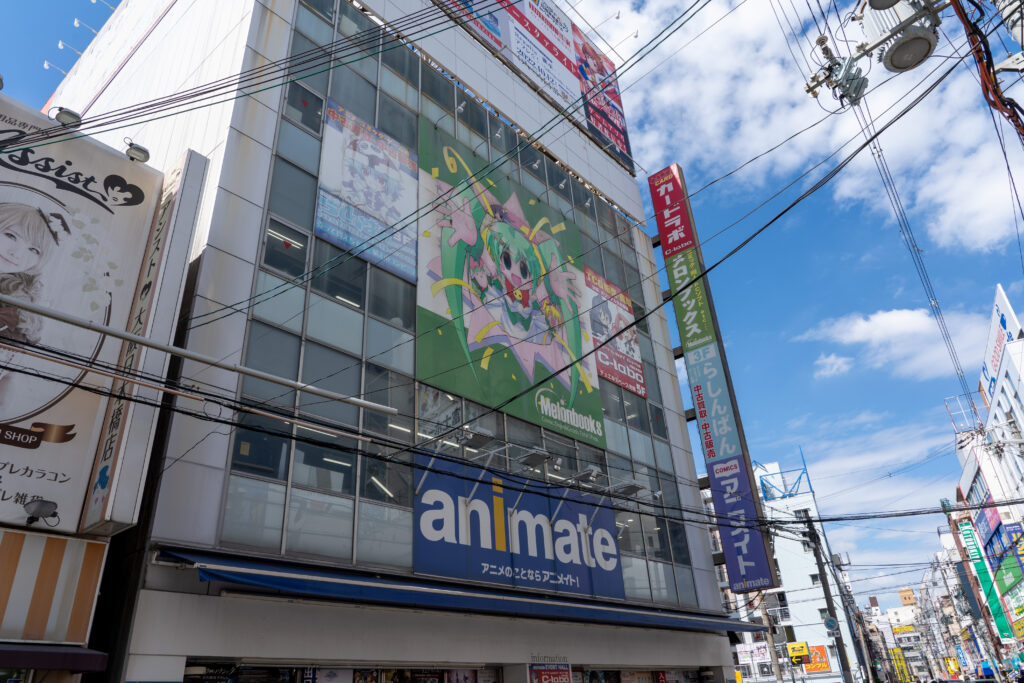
(906, 342)
(831, 365)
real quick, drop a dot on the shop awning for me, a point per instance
(51, 658)
(412, 592)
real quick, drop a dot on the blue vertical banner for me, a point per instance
(736, 500)
(471, 522)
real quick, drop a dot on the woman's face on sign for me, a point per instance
(17, 253)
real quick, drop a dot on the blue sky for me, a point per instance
(825, 321)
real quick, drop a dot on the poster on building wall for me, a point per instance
(611, 312)
(602, 101)
(550, 673)
(470, 522)
(499, 300)
(485, 18)
(367, 187)
(540, 44)
(819, 660)
(1003, 329)
(75, 220)
(735, 498)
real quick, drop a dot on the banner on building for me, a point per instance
(550, 673)
(75, 220)
(899, 665)
(499, 298)
(474, 523)
(1003, 329)
(819, 660)
(970, 542)
(1018, 629)
(484, 18)
(602, 102)
(903, 629)
(540, 45)
(610, 312)
(367, 187)
(736, 500)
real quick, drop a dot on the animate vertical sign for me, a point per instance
(985, 579)
(1003, 329)
(610, 313)
(728, 465)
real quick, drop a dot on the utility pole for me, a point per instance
(771, 641)
(812, 536)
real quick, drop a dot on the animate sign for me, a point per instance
(472, 523)
(798, 653)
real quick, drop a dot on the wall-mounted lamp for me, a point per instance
(136, 152)
(561, 185)
(61, 45)
(79, 23)
(67, 117)
(535, 165)
(47, 65)
(40, 509)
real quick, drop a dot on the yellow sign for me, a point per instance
(798, 653)
(819, 660)
(900, 665)
(952, 666)
(1018, 629)
(903, 629)
(739, 676)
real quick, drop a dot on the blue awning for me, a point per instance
(412, 592)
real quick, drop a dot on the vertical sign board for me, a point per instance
(728, 465)
(900, 665)
(985, 579)
(474, 523)
(76, 218)
(1003, 328)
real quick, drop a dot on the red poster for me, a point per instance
(669, 199)
(610, 311)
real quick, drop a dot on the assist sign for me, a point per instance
(798, 653)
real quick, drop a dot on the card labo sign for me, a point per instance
(474, 523)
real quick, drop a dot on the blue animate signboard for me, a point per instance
(475, 523)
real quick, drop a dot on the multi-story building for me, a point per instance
(453, 517)
(904, 624)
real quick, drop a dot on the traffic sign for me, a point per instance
(831, 623)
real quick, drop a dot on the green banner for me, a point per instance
(501, 304)
(693, 314)
(1009, 574)
(985, 580)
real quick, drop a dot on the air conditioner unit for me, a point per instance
(909, 46)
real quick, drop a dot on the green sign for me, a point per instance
(501, 304)
(693, 314)
(1014, 599)
(985, 579)
(1009, 574)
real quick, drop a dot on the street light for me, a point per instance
(109, 6)
(48, 65)
(78, 22)
(61, 45)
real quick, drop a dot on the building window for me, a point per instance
(815, 579)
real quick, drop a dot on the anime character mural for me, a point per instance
(600, 88)
(500, 297)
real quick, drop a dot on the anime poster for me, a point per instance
(367, 185)
(603, 103)
(540, 45)
(460, 676)
(75, 221)
(484, 18)
(610, 313)
(501, 303)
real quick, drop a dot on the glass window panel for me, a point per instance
(663, 455)
(437, 412)
(629, 259)
(636, 411)
(332, 371)
(473, 114)
(329, 464)
(260, 453)
(324, 7)
(340, 275)
(670, 494)
(616, 437)
(658, 426)
(563, 448)
(438, 88)
(353, 92)
(611, 401)
(304, 106)
(385, 535)
(253, 513)
(624, 229)
(590, 254)
(641, 322)
(581, 195)
(389, 388)
(283, 306)
(523, 438)
(319, 524)
(399, 88)
(634, 576)
(439, 117)
(613, 266)
(338, 325)
(360, 55)
(402, 60)
(619, 468)
(293, 193)
(651, 382)
(558, 179)
(630, 534)
(677, 539)
(587, 225)
(384, 481)
(685, 587)
(486, 442)
(351, 20)
(390, 346)
(285, 249)
(308, 63)
(392, 299)
(397, 121)
(503, 137)
(606, 215)
(663, 581)
(532, 161)
(273, 351)
(640, 446)
(297, 145)
(593, 457)
(646, 347)
(656, 537)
